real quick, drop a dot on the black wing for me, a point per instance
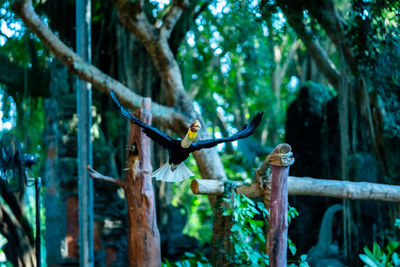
(245, 132)
(156, 135)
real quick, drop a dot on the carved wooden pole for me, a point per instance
(276, 246)
(143, 236)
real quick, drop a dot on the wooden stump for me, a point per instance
(276, 246)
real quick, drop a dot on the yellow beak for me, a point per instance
(192, 135)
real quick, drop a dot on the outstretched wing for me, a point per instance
(156, 135)
(245, 132)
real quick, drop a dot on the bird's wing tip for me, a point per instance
(114, 97)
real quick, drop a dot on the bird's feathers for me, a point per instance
(245, 132)
(166, 174)
(161, 138)
(167, 142)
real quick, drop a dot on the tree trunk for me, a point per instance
(143, 235)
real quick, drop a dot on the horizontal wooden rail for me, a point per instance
(307, 186)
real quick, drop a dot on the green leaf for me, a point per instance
(167, 263)
(227, 213)
(235, 227)
(397, 223)
(395, 259)
(367, 260)
(369, 253)
(376, 249)
(393, 246)
(292, 247)
(189, 255)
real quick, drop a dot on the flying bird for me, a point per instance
(179, 149)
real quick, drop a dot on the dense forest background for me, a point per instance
(326, 74)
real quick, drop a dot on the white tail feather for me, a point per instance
(166, 174)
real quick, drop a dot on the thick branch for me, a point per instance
(172, 16)
(159, 50)
(133, 18)
(315, 50)
(98, 176)
(332, 23)
(306, 186)
(87, 72)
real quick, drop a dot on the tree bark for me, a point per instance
(143, 236)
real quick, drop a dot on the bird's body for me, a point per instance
(177, 153)
(179, 150)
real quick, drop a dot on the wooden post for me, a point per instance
(276, 246)
(38, 185)
(84, 103)
(143, 236)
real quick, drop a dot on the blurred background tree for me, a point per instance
(325, 73)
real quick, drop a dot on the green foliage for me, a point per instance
(237, 168)
(248, 236)
(302, 262)
(375, 36)
(189, 260)
(388, 256)
(292, 213)
(383, 257)
(227, 66)
(197, 207)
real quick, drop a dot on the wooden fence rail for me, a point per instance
(307, 186)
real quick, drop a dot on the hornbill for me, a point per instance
(179, 149)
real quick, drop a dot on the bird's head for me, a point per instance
(193, 128)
